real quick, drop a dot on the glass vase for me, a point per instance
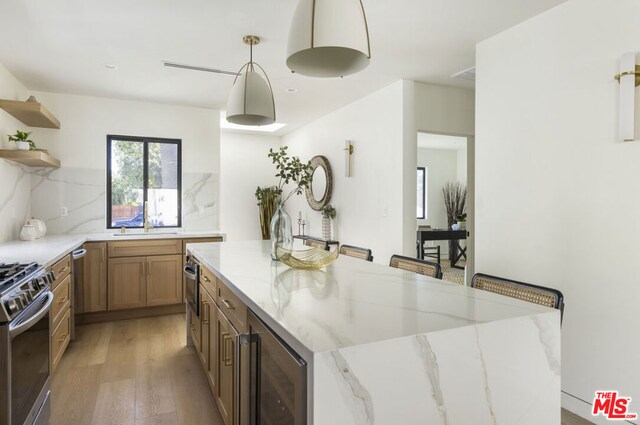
(281, 232)
(327, 225)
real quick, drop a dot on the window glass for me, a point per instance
(421, 210)
(143, 172)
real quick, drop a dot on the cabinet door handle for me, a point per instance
(102, 256)
(205, 278)
(64, 269)
(228, 304)
(63, 300)
(62, 338)
(149, 267)
(144, 268)
(205, 319)
(228, 361)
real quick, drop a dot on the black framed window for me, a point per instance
(421, 210)
(144, 172)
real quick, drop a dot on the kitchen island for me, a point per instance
(387, 346)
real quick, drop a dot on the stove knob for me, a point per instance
(26, 297)
(12, 306)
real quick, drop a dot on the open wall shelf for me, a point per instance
(31, 113)
(31, 158)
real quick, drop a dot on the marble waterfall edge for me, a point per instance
(466, 375)
(83, 192)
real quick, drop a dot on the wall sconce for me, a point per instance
(629, 79)
(348, 151)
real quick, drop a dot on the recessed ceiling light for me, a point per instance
(111, 66)
(292, 90)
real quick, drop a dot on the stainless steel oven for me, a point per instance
(24, 343)
(277, 392)
(191, 285)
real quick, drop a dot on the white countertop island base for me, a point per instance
(386, 346)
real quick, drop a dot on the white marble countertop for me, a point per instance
(48, 250)
(350, 302)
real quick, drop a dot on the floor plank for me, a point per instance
(154, 395)
(115, 403)
(166, 419)
(569, 418)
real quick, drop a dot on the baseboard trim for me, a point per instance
(136, 313)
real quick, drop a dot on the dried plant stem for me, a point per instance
(455, 198)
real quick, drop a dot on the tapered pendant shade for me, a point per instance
(251, 99)
(328, 38)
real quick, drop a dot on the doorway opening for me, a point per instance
(444, 202)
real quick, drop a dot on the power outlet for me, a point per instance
(64, 211)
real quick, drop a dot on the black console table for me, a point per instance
(443, 235)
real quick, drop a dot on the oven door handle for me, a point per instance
(189, 272)
(15, 330)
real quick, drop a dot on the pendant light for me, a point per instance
(251, 99)
(328, 38)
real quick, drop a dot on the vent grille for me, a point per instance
(468, 74)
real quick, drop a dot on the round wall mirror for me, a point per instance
(319, 191)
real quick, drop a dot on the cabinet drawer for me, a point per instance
(60, 340)
(208, 280)
(60, 270)
(61, 300)
(232, 307)
(144, 248)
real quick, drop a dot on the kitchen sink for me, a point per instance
(145, 234)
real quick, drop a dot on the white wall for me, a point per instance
(80, 144)
(244, 166)
(86, 121)
(15, 182)
(369, 204)
(556, 192)
(461, 166)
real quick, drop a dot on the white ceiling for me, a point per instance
(63, 45)
(441, 141)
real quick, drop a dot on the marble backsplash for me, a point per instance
(15, 181)
(41, 192)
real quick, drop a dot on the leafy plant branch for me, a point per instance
(290, 169)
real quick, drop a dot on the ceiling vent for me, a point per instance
(467, 74)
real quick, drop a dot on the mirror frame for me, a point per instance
(318, 204)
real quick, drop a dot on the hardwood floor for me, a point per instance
(569, 418)
(134, 372)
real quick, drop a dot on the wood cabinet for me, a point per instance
(145, 247)
(225, 393)
(60, 314)
(127, 283)
(164, 280)
(60, 339)
(194, 329)
(92, 293)
(208, 347)
(136, 282)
